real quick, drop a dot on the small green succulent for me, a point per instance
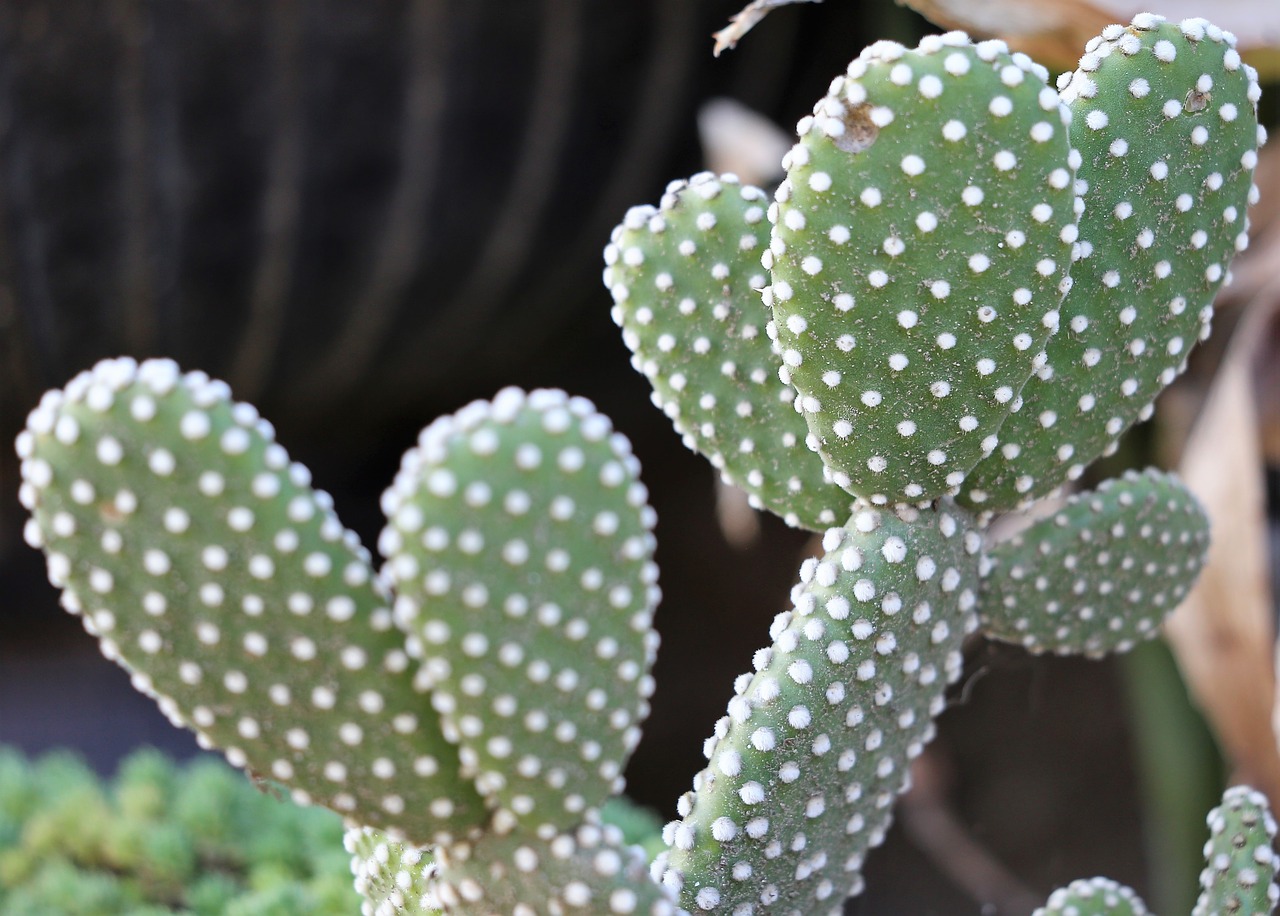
(161, 839)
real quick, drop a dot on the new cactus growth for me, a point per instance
(965, 289)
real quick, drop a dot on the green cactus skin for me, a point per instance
(920, 251)
(1240, 875)
(199, 555)
(520, 547)
(1093, 897)
(393, 878)
(1102, 572)
(1164, 117)
(805, 768)
(588, 870)
(685, 279)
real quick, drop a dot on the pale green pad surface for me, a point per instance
(1093, 897)
(1102, 572)
(920, 251)
(685, 278)
(520, 544)
(205, 563)
(815, 749)
(1240, 871)
(587, 871)
(1164, 117)
(393, 878)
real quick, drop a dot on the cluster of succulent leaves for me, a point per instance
(967, 287)
(160, 839)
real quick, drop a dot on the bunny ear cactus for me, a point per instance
(962, 311)
(803, 771)
(487, 708)
(970, 286)
(684, 278)
(920, 250)
(520, 547)
(1240, 861)
(1239, 875)
(1101, 573)
(1161, 115)
(200, 556)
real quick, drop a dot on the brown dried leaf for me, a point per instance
(1054, 31)
(1222, 635)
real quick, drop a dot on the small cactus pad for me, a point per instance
(1093, 897)
(685, 279)
(1240, 871)
(1165, 120)
(588, 871)
(393, 878)
(805, 768)
(920, 251)
(207, 566)
(1102, 572)
(519, 542)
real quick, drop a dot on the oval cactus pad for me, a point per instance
(920, 250)
(1102, 572)
(685, 278)
(805, 768)
(199, 555)
(1164, 117)
(519, 540)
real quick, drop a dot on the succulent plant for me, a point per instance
(161, 838)
(857, 355)
(971, 286)
(481, 693)
(1239, 874)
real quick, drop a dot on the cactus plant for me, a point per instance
(973, 285)
(939, 267)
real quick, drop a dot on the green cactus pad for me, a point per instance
(685, 279)
(1093, 897)
(393, 878)
(519, 542)
(199, 555)
(805, 768)
(1165, 119)
(1240, 874)
(920, 251)
(588, 871)
(1102, 572)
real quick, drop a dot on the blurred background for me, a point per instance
(363, 215)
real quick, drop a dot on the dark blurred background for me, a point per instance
(363, 215)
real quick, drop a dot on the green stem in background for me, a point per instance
(1167, 728)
